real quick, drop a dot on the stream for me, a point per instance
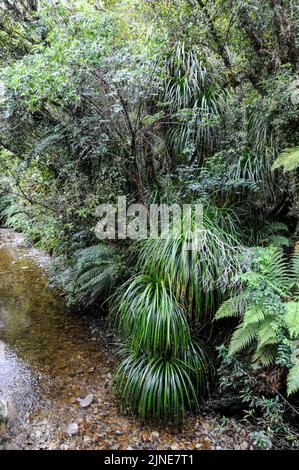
(39, 339)
(51, 359)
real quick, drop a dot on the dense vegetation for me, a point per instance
(170, 101)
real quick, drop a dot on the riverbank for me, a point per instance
(67, 366)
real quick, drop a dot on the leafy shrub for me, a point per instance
(254, 390)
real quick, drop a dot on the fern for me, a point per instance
(266, 333)
(242, 337)
(97, 269)
(269, 279)
(288, 159)
(292, 318)
(232, 307)
(14, 214)
(279, 241)
(278, 273)
(253, 314)
(268, 320)
(295, 266)
(266, 355)
(293, 379)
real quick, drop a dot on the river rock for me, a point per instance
(154, 436)
(87, 401)
(72, 429)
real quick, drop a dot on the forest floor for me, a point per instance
(61, 422)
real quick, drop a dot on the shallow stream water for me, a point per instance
(41, 343)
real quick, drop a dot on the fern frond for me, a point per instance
(292, 318)
(279, 241)
(265, 355)
(243, 337)
(295, 267)
(96, 270)
(276, 227)
(254, 314)
(100, 282)
(288, 160)
(232, 307)
(267, 333)
(279, 271)
(293, 379)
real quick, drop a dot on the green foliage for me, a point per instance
(293, 378)
(194, 101)
(180, 101)
(196, 265)
(289, 160)
(156, 309)
(269, 316)
(14, 215)
(91, 275)
(151, 315)
(264, 410)
(292, 318)
(162, 388)
(97, 271)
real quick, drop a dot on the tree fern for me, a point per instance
(267, 333)
(14, 214)
(295, 270)
(253, 314)
(265, 355)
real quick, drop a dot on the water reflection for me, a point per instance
(40, 341)
(16, 380)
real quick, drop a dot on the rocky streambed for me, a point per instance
(56, 373)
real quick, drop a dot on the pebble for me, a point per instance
(115, 447)
(72, 429)
(87, 401)
(174, 446)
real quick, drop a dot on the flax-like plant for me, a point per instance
(163, 388)
(150, 313)
(197, 264)
(163, 369)
(195, 98)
